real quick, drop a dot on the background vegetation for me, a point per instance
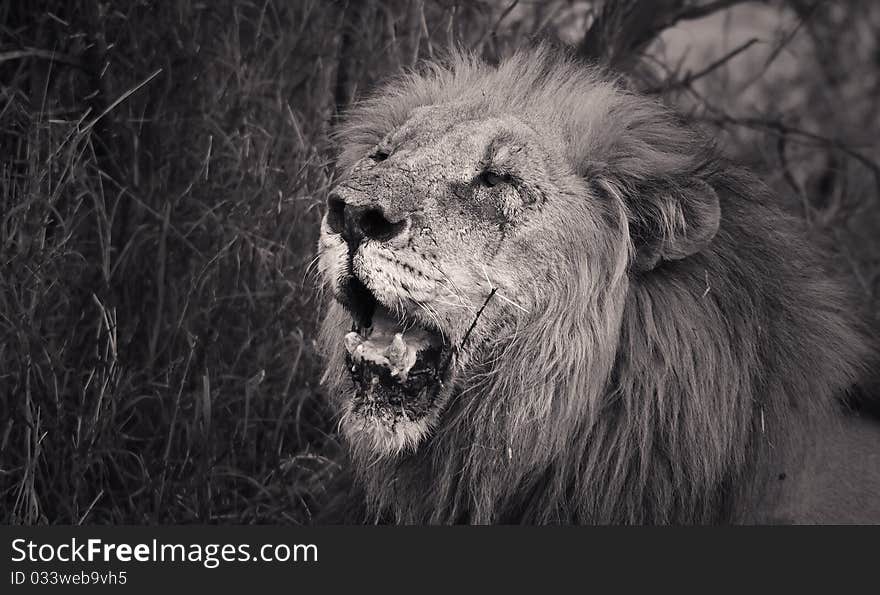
(164, 167)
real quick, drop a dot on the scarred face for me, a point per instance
(437, 218)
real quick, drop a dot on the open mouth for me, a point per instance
(398, 365)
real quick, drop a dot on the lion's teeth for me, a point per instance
(402, 357)
(396, 350)
(409, 360)
(392, 351)
(352, 342)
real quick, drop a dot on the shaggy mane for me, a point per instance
(630, 396)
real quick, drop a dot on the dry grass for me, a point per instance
(164, 168)
(155, 312)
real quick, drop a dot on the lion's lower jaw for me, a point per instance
(372, 434)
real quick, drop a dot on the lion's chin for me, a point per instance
(382, 430)
(400, 372)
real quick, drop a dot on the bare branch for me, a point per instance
(704, 10)
(786, 39)
(623, 28)
(796, 187)
(690, 78)
(776, 126)
(494, 29)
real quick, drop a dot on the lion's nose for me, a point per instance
(369, 223)
(357, 223)
(373, 223)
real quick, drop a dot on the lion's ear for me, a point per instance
(671, 223)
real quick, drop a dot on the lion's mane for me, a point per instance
(635, 395)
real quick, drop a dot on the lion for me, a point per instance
(554, 301)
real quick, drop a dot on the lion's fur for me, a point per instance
(623, 395)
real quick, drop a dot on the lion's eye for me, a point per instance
(491, 179)
(379, 155)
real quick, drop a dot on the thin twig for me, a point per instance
(494, 29)
(476, 318)
(690, 78)
(783, 43)
(460, 348)
(779, 127)
(698, 12)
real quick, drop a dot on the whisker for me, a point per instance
(454, 290)
(512, 303)
(493, 288)
(312, 267)
(460, 305)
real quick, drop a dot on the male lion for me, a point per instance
(554, 303)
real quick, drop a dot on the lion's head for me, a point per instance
(485, 204)
(527, 257)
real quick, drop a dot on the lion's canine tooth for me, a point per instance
(352, 342)
(396, 350)
(409, 361)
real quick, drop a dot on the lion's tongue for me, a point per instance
(386, 344)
